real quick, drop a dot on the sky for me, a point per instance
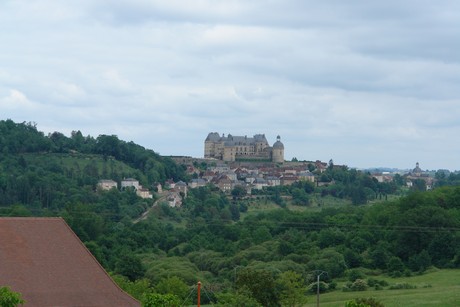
(364, 83)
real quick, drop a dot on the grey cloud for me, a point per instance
(328, 76)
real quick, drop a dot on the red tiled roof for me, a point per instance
(44, 260)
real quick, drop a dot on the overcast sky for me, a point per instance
(365, 83)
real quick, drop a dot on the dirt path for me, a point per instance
(162, 197)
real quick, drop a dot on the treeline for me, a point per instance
(22, 138)
(359, 187)
(339, 182)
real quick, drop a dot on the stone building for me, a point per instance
(233, 148)
(106, 185)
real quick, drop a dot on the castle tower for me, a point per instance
(278, 151)
(211, 145)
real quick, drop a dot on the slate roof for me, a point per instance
(45, 261)
(231, 140)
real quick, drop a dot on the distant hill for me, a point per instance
(22, 138)
(49, 172)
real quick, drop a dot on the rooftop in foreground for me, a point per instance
(45, 261)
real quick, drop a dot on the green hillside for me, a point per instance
(259, 252)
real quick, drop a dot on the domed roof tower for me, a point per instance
(278, 151)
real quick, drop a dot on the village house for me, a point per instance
(106, 184)
(320, 166)
(220, 168)
(273, 181)
(208, 175)
(224, 183)
(288, 179)
(260, 183)
(181, 187)
(130, 182)
(306, 176)
(241, 173)
(174, 199)
(170, 184)
(381, 177)
(250, 179)
(196, 183)
(159, 188)
(144, 193)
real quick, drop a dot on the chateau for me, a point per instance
(233, 148)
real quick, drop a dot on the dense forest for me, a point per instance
(244, 257)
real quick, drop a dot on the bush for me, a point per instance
(332, 285)
(376, 282)
(400, 286)
(364, 302)
(9, 298)
(323, 287)
(165, 300)
(355, 274)
(359, 285)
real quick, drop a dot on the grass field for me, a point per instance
(443, 291)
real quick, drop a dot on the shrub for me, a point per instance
(355, 274)
(332, 285)
(376, 282)
(9, 298)
(323, 287)
(364, 302)
(165, 300)
(359, 285)
(400, 286)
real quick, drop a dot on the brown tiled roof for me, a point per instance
(44, 260)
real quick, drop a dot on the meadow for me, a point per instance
(437, 288)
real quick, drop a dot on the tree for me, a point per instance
(329, 260)
(300, 197)
(420, 262)
(238, 192)
(235, 212)
(292, 289)
(395, 266)
(379, 256)
(130, 266)
(398, 180)
(173, 285)
(418, 185)
(136, 289)
(9, 298)
(260, 284)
